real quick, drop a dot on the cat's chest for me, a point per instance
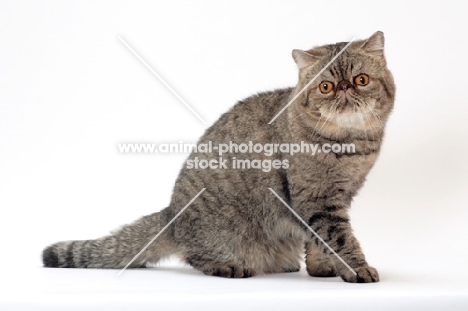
(327, 170)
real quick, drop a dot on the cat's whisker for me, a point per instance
(307, 112)
(315, 128)
(379, 127)
(334, 106)
(368, 122)
(375, 114)
(375, 130)
(364, 126)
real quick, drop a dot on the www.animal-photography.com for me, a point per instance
(215, 155)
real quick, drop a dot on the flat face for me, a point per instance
(353, 92)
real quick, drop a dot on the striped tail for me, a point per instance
(116, 250)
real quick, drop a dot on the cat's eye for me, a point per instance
(326, 87)
(361, 79)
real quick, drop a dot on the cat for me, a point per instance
(237, 227)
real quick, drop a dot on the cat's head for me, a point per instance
(344, 94)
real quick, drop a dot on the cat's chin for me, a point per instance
(349, 120)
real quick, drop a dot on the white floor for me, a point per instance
(174, 287)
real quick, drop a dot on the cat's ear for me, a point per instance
(305, 59)
(375, 44)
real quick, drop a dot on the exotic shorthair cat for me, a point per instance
(237, 227)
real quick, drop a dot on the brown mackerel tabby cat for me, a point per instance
(237, 228)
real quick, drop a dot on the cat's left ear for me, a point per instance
(305, 59)
(375, 44)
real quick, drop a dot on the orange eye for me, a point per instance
(326, 87)
(361, 79)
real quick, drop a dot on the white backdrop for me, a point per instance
(70, 91)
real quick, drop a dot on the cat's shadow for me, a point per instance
(296, 276)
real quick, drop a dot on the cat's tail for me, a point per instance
(116, 250)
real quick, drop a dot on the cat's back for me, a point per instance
(249, 118)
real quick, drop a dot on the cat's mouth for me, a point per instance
(346, 103)
(347, 112)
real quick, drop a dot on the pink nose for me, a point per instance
(344, 85)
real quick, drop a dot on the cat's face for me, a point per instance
(355, 93)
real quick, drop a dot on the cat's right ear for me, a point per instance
(375, 44)
(304, 59)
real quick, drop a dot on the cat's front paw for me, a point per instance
(227, 271)
(365, 274)
(322, 270)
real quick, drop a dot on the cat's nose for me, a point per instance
(344, 85)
